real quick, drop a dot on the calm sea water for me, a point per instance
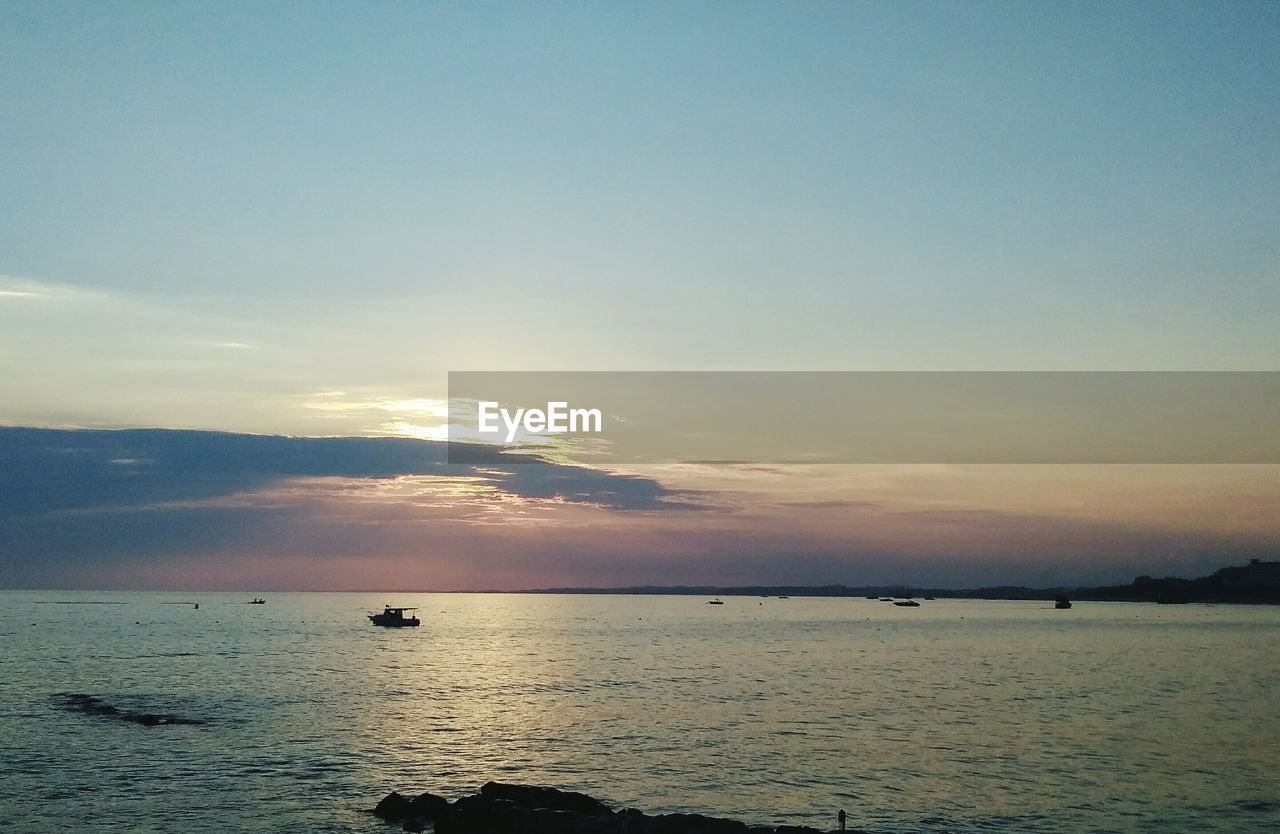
(957, 716)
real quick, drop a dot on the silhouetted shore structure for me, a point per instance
(501, 808)
(1257, 582)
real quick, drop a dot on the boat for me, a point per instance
(256, 601)
(886, 599)
(394, 618)
(1061, 602)
(715, 602)
(906, 603)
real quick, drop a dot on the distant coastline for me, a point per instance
(1254, 583)
(1257, 582)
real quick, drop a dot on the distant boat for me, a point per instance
(256, 601)
(873, 597)
(930, 598)
(886, 599)
(714, 602)
(1061, 602)
(784, 597)
(906, 603)
(394, 618)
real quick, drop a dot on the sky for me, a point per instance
(295, 219)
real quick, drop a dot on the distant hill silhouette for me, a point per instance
(1256, 582)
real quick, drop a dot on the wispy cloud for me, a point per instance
(15, 288)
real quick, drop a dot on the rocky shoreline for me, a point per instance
(501, 808)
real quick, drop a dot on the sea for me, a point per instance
(956, 716)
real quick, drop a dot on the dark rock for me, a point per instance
(631, 821)
(476, 813)
(428, 806)
(524, 809)
(550, 821)
(484, 815)
(393, 807)
(529, 796)
(694, 824)
(611, 824)
(93, 705)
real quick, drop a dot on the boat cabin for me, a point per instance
(395, 618)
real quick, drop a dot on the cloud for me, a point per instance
(156, 508)
(57, 470)
(90, 498)
(13, 288)
(74, 355)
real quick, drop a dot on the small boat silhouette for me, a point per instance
(256, 601)
(715, 602)
(394, 618)
(906, 603)
(1061, 602)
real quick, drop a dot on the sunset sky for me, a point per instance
(296, 219)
